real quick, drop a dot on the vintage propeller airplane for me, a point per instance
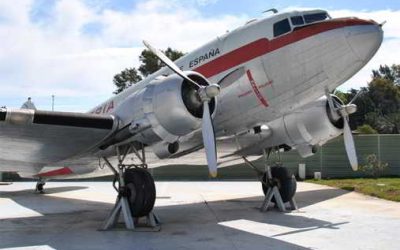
(262, 87)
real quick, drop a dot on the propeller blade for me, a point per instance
(349, 144)
(170, 64)
(356, 96)
(209, 140)
(343, 111)
(330, 100)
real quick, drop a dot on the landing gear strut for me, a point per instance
(136, 193)
(278, 184)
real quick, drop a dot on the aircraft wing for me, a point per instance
(32, 138)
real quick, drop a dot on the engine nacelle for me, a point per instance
(165, 149)
(302, 130)
(168, 106)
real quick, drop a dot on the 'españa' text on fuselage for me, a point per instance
(205, 57)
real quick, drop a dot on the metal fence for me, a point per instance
(331, 159)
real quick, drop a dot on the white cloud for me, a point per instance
(206, 2)
(57, 56)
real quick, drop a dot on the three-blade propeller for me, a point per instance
(343, 111)
(206, 93)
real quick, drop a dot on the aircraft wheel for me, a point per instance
(287, 185)
(40, 187)
(140, 191)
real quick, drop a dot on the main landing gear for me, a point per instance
(278, 184)
(136, 193)
(40, 186)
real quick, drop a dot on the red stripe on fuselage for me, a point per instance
(61, 171)
(263, 46)
(255, 89)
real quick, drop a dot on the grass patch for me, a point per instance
(385, 188)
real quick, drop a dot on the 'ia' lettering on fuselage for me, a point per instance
(198, 60)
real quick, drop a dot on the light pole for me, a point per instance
(52, 102)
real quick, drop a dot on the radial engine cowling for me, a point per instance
(170, 106)
(310, 125)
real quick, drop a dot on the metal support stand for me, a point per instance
(274, 193)
(40, 186)
(122, 204)
(273, 190)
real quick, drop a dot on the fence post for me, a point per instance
(320, 160)
(379, 147)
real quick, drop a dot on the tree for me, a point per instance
(149, 65)
(125, 79)
(366, 129)
(364, 106)
(379, 105)
(394, 120)
(389, 73)
(385, 95)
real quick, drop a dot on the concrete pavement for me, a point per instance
(196, 215)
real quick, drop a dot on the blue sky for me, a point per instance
(212, 7)
(240, 7)
(72, 48)
(252, 7)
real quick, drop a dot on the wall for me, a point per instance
(331, 160)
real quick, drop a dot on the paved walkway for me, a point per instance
(197, 215)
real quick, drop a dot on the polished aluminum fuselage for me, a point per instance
(282, 75)
(286, 78)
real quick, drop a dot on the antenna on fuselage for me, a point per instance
(273, 10)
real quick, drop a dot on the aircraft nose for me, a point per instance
(365, 40)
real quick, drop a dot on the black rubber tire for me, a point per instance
(40, 187)
(287, 185)
(141, 191)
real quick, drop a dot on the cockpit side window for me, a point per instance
(311, 18)
(281, 27)
(297, 20)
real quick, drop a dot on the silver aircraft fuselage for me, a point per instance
(282, 73)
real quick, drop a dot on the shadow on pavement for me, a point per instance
(71, 223)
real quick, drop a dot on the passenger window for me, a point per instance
(315, 17)
(281, 27)
(297, 20)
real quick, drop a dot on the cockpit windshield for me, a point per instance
(311, 18)
(299, 19)
(282, 27)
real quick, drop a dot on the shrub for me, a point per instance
(373, 167)
(366, 129)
